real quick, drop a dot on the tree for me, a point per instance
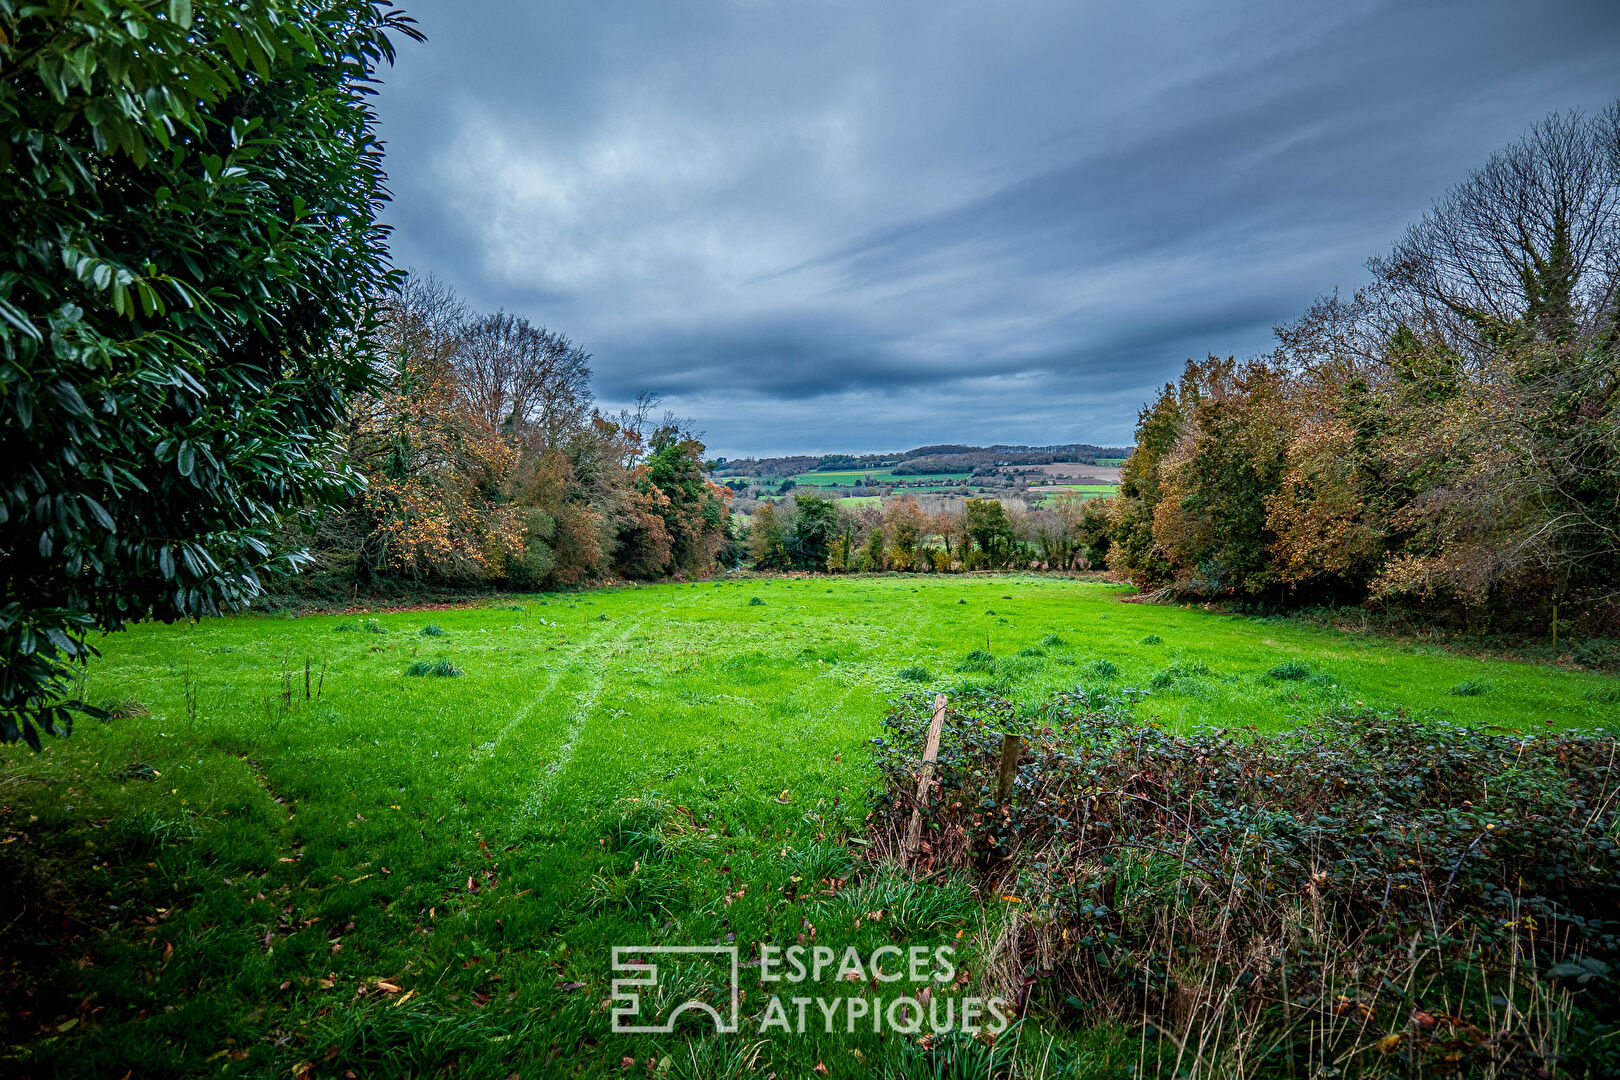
(1210, 521)
(815, 530)
(524, 379)
(987, 526)
(767, 546)
(1158, 426)
(1526, 250)
(906, 525)
(436, 502)
(1517, 272)
(189, 211)
(693, 509)
(872, 559)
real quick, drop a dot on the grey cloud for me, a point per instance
(843, 225)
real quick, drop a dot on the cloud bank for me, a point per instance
(819, 225)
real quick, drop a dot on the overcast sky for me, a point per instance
(813, 225)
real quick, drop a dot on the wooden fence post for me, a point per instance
(1009, 767)
(930, 753)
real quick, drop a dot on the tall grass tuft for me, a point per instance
(978, 660)
(437, 668)
(123, 708)
(1470, 688)
(433, 630)
(1290, 671)
(914, 673)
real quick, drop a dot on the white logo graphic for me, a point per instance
(627, 996)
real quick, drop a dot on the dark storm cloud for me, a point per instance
(817, 225)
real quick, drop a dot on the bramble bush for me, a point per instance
(1365, 895)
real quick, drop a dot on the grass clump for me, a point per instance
(1290, 671)
(1151, 639)
(818, 862)
(1032, 650)
(135, 770)
(907, 905)
(443, 669)
(433, 630)
(755, 601)
(123, 708)
(1470, 688)
(978, 660)
(375, 627)
(914, 673)
(1103, 669)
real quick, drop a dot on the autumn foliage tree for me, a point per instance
(485, 462)
(1447, 440)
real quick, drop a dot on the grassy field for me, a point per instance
(258, 871)
(1050, 492)
(845, 477)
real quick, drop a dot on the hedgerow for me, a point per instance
(1368, 894)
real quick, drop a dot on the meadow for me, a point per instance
(390, 844)
(846, 477)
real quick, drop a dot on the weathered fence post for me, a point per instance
(1009, 767)
(930, 753)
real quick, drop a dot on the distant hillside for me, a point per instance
(950, 457)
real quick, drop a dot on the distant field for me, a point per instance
(386, 873)
(1049, 495)
(882, 476)
(1108, 474)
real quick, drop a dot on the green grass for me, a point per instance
(845, 477)
(220, 886)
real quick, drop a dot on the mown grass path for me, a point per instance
(673, 764)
